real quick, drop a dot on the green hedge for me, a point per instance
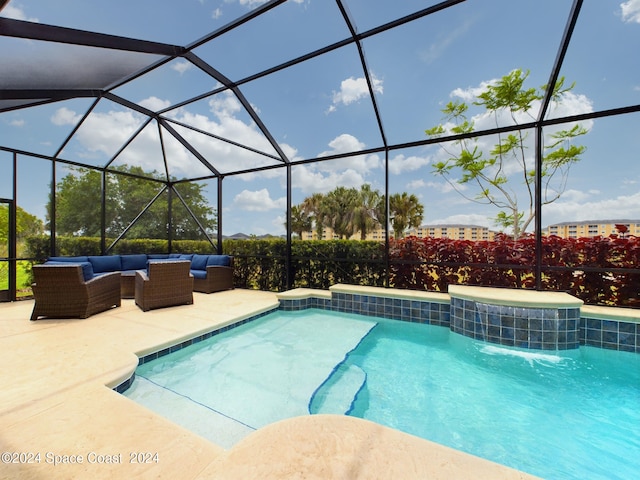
(600, 271)
(38, 247)
(314, 264)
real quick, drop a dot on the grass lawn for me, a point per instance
(23, 280)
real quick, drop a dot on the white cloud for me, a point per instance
(225, 105)
(574, 196)
(471, 93)
(256, 3)
(401, 164)
(308, 180)
(182, 66)
(344, 143)
(17, 123)
(575, 207)
(216, 14)
(344, 172)
(64, 116)
(416, 184)
(251, 3)
(155, 104)
(353, 90)
(17, 13)
(630, 11)
(258, 201)
(572, 104)
(100, 132)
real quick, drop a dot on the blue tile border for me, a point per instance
(610, 334)
(523, 327)
(417, 311)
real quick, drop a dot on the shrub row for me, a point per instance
(600, 270)
(314, 264)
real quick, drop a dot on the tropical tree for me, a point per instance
(368, 211)
(79, 200)
(338, 210)
(300, 221)
(313, 207)
(405, 211)
(467, 165)
(348, 210)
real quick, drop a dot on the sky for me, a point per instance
(322, 107)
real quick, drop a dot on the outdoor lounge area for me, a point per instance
(84, 285)
(82, 428)
(68, 287)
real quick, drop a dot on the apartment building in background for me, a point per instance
(458, 232)
(592, 228)
(582, 229)
(453, 231)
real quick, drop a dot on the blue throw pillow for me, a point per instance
(156, 256)
(199, 262)
(219, 260)
(87, 271)
(186, 256)
(134, 262)
(106, 263)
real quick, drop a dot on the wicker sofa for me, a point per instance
(211, 273)
(67, 291)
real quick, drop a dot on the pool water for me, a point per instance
(564, 415)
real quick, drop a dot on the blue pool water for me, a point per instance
(562, 415)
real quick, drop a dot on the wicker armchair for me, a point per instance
(167, 283)
(60, 291)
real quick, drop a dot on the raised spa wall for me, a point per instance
(517, 318)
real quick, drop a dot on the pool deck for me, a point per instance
(60, 419)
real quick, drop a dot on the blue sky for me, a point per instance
(322, 107)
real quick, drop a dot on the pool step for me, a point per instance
(212, 425)
(337, 394)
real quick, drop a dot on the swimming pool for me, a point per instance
(569, 414)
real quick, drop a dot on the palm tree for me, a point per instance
(367, 213)
(405, 211)
(313, 207)
(338, 208)
(300, 221)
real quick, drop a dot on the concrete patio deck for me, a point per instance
(60, 419)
